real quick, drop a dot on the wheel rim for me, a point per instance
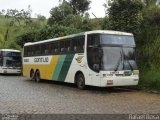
(80, 82)
(32, 75)
(37, 77)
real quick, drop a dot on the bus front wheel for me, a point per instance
(37, 76)
(80, 81)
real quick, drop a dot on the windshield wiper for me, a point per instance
(129, 64)
(125, 59)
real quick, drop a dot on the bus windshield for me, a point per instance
(12, 59)
(117, 52)
(117, 40)
(118, 58)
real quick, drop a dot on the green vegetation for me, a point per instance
(141, 19)
(148, 41)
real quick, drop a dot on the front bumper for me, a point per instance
(11, 71)
(119, 81)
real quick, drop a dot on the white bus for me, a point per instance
(96, 58)
(10, 61)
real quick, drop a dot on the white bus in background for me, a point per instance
(98, 58)
(10, 61)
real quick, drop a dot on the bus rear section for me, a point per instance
(52, 59)
(10, 61)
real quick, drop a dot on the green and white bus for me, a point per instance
(10, 61)
(97, 58)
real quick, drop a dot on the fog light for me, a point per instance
(136, 72)
(5, 71)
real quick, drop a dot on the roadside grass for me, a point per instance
(149, 61)
(150, 78)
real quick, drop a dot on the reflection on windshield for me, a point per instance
(117, 39)
(12, 61)
(129, 59)
(111, 58)
(118, 58)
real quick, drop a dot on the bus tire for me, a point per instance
(32, 75)
(37, 76)
(80, 81)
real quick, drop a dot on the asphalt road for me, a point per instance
(20, 95)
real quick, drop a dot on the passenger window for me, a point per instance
(30, 51)
(25, 52)
(78, 44)
(62, 46)
(51, 48)
(56, 47)
(1, 61)
(44, 49)
(37, 50)
(81, 43)
(74, 45)
(68, 45)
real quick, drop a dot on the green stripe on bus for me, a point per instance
(58, 67)
(65, 67)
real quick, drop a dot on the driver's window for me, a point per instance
(93, 51)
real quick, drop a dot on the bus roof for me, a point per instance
(79, 34)
(10, 50)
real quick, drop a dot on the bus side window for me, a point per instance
(47, 49)
(81, 44)
(62, 46)
(74, 45)
(56, 47)
(44, 49)
(51, 48)
(37, 50)
(25, 52)
(93, 40)
(68, 45)
(30, 51)
(1, 61)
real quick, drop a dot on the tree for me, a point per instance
(125, 15)
(1, 41)
(149, 38)
(41, 17)
(80, 6)
(58, 14)
(26, 37)
(149, 2)
(14, 18)
(47, 32)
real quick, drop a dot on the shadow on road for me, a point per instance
(6, 75)
(92, 88)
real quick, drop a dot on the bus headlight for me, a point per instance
(4, 68)
(104, 75)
